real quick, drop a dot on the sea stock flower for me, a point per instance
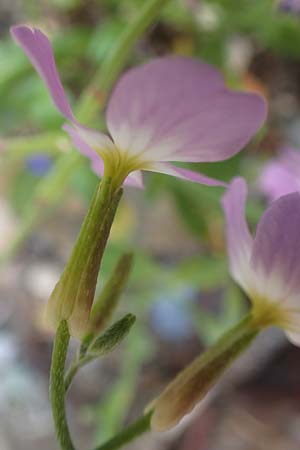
(172, 109)
(281, 175)
(267, 267)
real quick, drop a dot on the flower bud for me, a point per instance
(193, 383)
(72, 297)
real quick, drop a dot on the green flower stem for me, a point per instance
(141, 426)
(75, 366)
(57, 390)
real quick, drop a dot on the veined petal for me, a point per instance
(38, 49)
(276, 252)
(185, 174)
(85, 149)
(177, 109)
(239, 239)
(96, 140)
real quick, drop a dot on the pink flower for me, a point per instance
(172, 109)
(267, 267)
(281, 175)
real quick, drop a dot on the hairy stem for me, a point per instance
(141, 426)
(72, 371)
(57, 389)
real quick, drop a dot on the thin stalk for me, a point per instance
(57, 390)
(141, 426)
(72, 371)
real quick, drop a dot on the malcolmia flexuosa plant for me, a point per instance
(167, 111)
(172, 109)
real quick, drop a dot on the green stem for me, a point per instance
(141, 426)
(57, 390)
(75, 366)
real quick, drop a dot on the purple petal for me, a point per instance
(85, 149)
(275, 181)
(135, 179)
(282, 175)
(239, 239)
(185, 174)
(276, 250)
(38, 49)
(177, 109)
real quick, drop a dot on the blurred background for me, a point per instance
(180, 287)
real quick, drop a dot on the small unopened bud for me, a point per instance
(194, 382)
(108, 299)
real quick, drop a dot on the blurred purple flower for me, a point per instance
(281, 175)
(292, 6)
(267, 267)
(39, 164)
(171, 109)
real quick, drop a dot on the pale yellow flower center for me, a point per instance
(270, 313)
(118, 164)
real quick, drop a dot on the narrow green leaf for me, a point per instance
(113, 336)
(108, 299)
